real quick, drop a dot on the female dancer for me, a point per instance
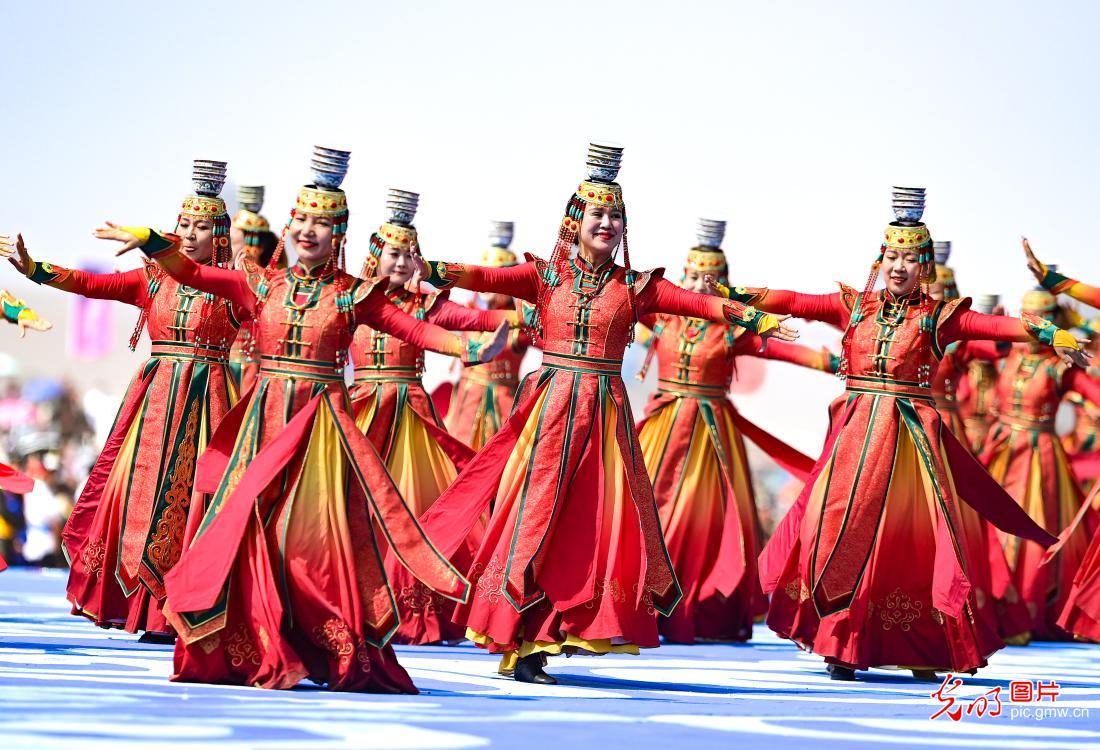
(573, 558)
(977, 387)
(693, 446)
(284, 579)
(1080, 612)
(396, 414)
(128, 526)
(869, 566)
(1023, 453)
(997, 606)
(483, 397)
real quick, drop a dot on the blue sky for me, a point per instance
(791, 120)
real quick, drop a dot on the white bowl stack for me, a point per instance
(908, 204)
(604, 161)
(250, 197)
(941, 249)
(501, 233)
(401, 206)
(208, 177)
(710, 233)
(330, 167)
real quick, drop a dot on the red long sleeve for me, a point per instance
(827, 308)
(130, 287)
(520, 281)
(455, 317)
(967, 325)
(782, 351)
(377, 311)
(1079, 381)
(663, 296)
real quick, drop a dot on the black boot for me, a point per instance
(925, 675)
(160, 639)
(837, 672)
(529, 669)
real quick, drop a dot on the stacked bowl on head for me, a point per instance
(908, 204)
(208, 177)
(250, 197)
(330, 167)
(941, 249)
(984, 303)
(710, 232)
(604, 161)
(401, 206)
(501, 233)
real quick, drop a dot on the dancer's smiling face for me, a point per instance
(601, 230)
(901, 270)
(312, 237)
(196, 237)
(396, 263)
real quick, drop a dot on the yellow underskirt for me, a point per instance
(571, 645)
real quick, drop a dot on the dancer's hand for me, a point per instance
(32, 323)
(481, 348)
(782, 332)
(118, 234)
(998, 309)
(419, 264)
(1038, 270)
(715, 286)
(16, 252)
(1071, 356)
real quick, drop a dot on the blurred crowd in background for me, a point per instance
(46, 431)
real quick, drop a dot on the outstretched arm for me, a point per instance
(131, 287)
(226, 283)
(455, 317)
(827, 308)
(663, 296)
(518, 281)
(967, 325)
(376, 310)
(1057, 283)
(796, 354)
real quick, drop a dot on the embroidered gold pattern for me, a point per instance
(210, 643)
(607, 588)
(333, 636)
(489, 580)
(167, 540)
(92, 557)
(937, 616)
(899, 609)
(241, 649)
(419, 599)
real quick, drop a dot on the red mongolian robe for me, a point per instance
(997, 603)
(573, 557)
(1023, 453)
(285, 579)
(976, 398)
(870, 567)
(131, 521)
(396, 414)
(692, 440)
(483, 396)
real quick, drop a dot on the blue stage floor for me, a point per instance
(65, 684)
